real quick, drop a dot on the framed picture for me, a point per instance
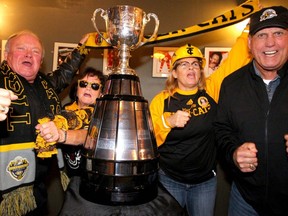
(110, 60)
(214, 57)
(3, 43)
(162, 60)
(61, 50)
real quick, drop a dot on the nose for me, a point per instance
(88, 86)
(270, 40)
(28, 53)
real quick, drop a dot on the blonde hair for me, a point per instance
(20, 33)
(171, 83)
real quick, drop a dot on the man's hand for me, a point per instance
(245, 157)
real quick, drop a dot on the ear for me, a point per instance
(249, 41)
(174, 73)
(5, 55)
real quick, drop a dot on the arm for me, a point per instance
(238, 156)
(67, 128)
(51, 133)
(72, 137)
(227, 142)
(162, 121)
(161, 128)
(63, 75)
(238, 56)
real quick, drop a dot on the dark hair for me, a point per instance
(90, 72)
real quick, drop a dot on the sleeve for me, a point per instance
(226, 138)
(63, 75)
(161, 128)
(238, 56)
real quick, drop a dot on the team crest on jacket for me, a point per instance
(17, 168)
(203, 102)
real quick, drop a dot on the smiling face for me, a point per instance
(24, 55)
(269, 47)
(188, 73)
(214, 61)
(86, 95)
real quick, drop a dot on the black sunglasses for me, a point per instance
(84, 84)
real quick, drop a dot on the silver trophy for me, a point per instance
(120, 156)
(125, 28)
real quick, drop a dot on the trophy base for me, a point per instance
(112, 190)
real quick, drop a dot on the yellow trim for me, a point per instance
(17, 146)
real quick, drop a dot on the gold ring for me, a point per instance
(252, 167)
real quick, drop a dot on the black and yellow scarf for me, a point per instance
(17, 139)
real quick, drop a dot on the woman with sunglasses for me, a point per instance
(182, 117)
(84, 93)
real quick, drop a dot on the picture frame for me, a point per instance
(110, 60)
(162, 57)
(3, 43)
(214, 57)
(61, 50)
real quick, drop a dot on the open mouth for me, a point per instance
(27, 63)
(87, 95)
(270, 52)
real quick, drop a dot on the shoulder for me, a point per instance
(71, 106)
(159, 99)
(161, 95)
(239, 75)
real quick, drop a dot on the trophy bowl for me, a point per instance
(125, 26)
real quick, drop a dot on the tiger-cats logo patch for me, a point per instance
(17, 168)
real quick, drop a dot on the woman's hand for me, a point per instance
(178, 119)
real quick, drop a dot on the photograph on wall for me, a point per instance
(61, 50)
(214, 57)
(110, 60)
(162, 57)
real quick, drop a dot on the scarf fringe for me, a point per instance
(18, 202)
(64, 180)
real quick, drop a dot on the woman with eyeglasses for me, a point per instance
(182, 116)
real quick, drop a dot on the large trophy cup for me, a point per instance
(120, 157)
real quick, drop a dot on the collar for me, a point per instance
(257, 72)
(186, 92)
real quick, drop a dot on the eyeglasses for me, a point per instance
(186, 65)
(84, 84)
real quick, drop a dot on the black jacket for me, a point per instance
(245, 115)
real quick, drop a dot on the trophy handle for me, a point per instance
(93, 19)
(154, 35)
